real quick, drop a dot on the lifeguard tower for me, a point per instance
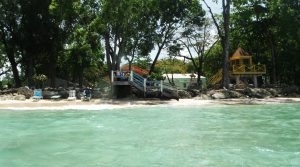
(241, 66)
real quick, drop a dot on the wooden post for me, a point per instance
(131, 76)
(161, 86)
(112, 86)
(255, 81)
(237, 79)
(112, 76)
(145, 86)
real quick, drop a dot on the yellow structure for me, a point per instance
(241, 65)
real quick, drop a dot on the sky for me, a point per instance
(216, 8)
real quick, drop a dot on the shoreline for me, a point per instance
(98, 104)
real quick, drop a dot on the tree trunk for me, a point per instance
(30, 72)
(199, 72)
(226, 17)
(155, 59)
(80, 77)
(131, 60)
(130, 64)
(11, 58)
(274, 75)
(52, 68)
(118, 59)
(10, 51)
(107, 52)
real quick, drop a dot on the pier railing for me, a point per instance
(143, 84)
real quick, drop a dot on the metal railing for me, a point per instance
(143, 84)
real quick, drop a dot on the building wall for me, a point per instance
(183, 83)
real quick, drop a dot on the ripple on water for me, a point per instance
(244, 135)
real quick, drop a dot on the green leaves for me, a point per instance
(265, 27)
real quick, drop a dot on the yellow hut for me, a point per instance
(241, 66)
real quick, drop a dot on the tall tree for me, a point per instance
(168, 17)
(10, 34)
(116, 19)
(198, 42)
(224, 35)
(83, 52)
(37, 38)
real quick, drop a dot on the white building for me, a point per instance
(183, 81)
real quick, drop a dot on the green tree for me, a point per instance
(121, 28)
(83, 53)
(224, 34)
(268, 29)
(10, 34)
(197, 40)
(168, 16)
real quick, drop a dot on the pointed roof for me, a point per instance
(239, 53)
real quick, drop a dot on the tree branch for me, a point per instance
(215, 21)
(188, 48)
(186, 57)
(209, 50)
(5, 72)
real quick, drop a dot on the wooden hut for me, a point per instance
(241, 65)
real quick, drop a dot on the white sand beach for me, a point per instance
(97, 104)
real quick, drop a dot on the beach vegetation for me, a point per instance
(81, 41)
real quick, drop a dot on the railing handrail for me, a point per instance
(215, 78)
(143, 84)
(249, 68)
(137, 79)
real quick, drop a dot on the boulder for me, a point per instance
(19, 97)
(8, 91)
(274, 92)
(194, 92)
(6, 97)
(184, 94)
(256, 92)
(203, 97)
(25, 91)
(211, 92)
(232, 94)
(218, 95)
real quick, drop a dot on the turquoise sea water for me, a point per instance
(218, 136)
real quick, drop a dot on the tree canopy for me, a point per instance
(82, 40)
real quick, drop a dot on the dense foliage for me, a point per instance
(82, 40)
